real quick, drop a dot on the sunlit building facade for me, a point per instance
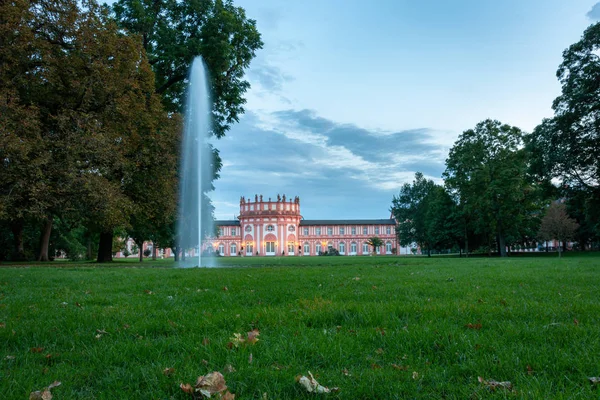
(268, 227)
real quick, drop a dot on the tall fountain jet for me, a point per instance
(196, 172)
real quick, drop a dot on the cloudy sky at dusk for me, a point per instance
(350, 98)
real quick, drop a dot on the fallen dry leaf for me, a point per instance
(379, 351)
(400, 367)
(204, 362)
(78, 305)
(415, 375)
(148, 291)
(101, 332)
(253, 336)
(493, 385)
(2, 325)
(44, 394)
(168, 371)
(575, 321)
(594, 380)
(208, 385)
(229, 368)
(228, 396)
(312, 386)
(345, 372)
(476, 326)
(205, 341)
(225, 288)
(375, 366)
(9, 357)
(238, 339)
(37, 349)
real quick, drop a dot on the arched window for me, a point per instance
(221, 249)
(342, 248)
(318, 248)
(353, 248)
(233, 249)
(306, 248)
(388, 247)
(365, 248)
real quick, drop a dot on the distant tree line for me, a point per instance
(90, 117)
(505, 188)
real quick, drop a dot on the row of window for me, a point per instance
(270, 248)
(342, 230)
(353, 230)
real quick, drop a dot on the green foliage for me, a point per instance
(426, 215)
(486, 171)
(375, 242)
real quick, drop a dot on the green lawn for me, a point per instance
(376, 327)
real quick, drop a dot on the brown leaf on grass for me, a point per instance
(187, 388)
(381, 331)
(9, 357)
(476, 326)
(530, 370)
(229, 368)
(78, 305)
(415, 375)
(204, 362)
(126, 326)
(400, 367)
(101, 332)
(148, 291)
(225, 288)
(594, 380)
(37, 349)
(379, 351)
(2, 325)
(205, 341)
(312, 386)
(345, 372)
(493, 385)
(44, 394)
(253, 336)
(228, 396)
(206, 386)
(168, 371)
(575, 321)
(375, 366)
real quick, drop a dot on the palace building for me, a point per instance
(270, 228)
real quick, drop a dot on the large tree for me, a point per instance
(174, 32)
(486, 171)
(567, 146)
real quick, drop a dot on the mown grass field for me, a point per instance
(376, 327)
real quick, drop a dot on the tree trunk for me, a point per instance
(105, 247)
(175, 253)
(141, 251)
(89, 248)
(502, 245)
(45, 239)
(428, 252)
(17, 228)
(154, 251)
(559, 249)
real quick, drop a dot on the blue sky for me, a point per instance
(350, 98)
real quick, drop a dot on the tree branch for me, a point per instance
(173, 80)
